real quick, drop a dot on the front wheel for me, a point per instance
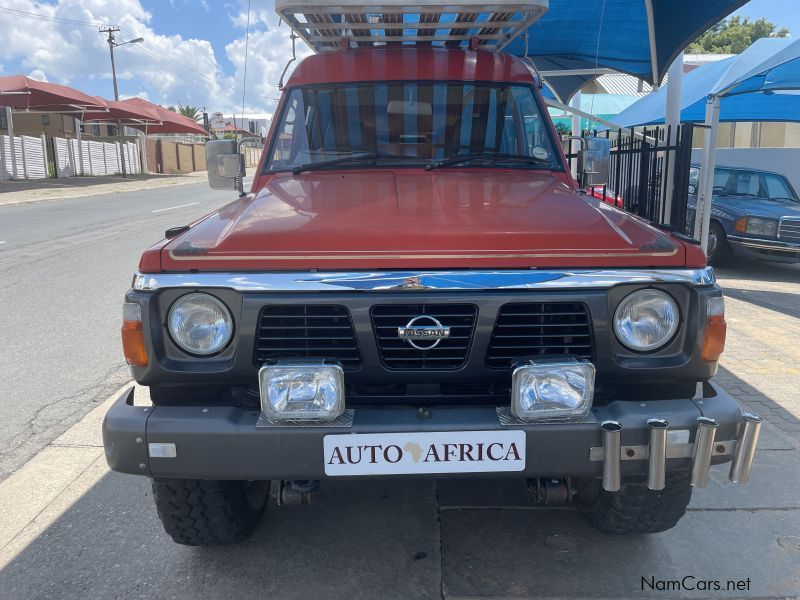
(718, 250)
(197, 512)
(635, 509)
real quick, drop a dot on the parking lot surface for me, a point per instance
(69, 528)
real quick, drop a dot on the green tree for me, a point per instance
(563, 129)
(735, 35)
(190, 111)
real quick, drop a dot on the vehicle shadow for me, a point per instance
(745, 269)
(787, 303)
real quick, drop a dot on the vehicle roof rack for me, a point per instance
(325, 25)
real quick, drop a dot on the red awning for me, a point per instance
(171, 122)
(128, 113)
(23, 93)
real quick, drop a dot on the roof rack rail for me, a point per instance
(325, 24)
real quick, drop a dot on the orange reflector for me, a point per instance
(741, 225)
(133, 343)
(714, 345)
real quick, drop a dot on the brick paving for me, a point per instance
(761, 364)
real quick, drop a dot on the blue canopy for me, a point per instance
(753, 86)
(638, 37)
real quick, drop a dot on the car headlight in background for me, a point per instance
(756, 226)
(200, 324)
(646, 320)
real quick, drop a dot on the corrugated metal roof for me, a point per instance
(624, 85)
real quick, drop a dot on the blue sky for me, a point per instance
(193, 50)
(783, 13)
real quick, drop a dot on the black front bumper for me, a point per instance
(224, 442)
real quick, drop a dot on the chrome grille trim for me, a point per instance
(411, 281)
(789, 230)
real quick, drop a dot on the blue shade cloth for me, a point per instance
(566, 37)
(756, 85)
(779, 73)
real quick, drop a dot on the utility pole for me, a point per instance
(112, 43)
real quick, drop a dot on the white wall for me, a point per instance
(780, 160)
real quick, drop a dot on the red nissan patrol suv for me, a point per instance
(415, 287)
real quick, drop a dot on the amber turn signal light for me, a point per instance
(133, 336)
(716, 330)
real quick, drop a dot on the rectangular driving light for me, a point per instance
(301, 391)
(552, 389)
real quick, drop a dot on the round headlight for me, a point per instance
(200, 324)
(646, 320)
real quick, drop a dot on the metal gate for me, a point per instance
(649, 172)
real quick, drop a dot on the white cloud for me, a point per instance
(175, 69)
(38, 75)
(269, 50)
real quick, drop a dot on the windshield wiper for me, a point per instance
(358, 156)
(493, 157)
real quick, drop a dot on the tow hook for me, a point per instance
(297, 492)
(549, 491)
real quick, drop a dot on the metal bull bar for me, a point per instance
(745, 448)
(658, 449)
(612, 433)
(657, 461)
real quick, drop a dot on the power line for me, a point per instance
(41, 17)
(149, 51)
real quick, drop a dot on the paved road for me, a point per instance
(64, 268)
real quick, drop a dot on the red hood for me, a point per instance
(416, 219)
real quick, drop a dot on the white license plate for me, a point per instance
(428, 452)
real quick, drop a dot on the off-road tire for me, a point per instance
(635, 509)
(196, 512)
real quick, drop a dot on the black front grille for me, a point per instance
(449, 353)
(530, 329)
(307, 331)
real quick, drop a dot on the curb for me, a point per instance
(22, 196)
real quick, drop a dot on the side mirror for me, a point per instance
(594, 161)
(225, 165)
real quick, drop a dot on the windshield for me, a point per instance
(411, 124)
(740, 183)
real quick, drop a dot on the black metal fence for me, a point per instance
(643, 163)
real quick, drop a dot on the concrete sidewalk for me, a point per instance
(38, 190)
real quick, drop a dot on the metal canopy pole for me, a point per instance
(702, 215)
(576, 130)
(673, 121)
